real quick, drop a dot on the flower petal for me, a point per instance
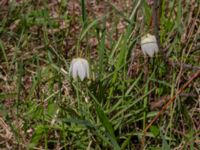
(81, 70)
(149, 48)
(86, 67)
(149, 45)
(74, 71)
(79, 67)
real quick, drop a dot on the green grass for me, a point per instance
(42, 107)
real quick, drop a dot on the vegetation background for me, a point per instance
(42, 107)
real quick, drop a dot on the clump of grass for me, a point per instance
(43, 107)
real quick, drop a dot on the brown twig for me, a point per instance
(197, 74)
(184, 65)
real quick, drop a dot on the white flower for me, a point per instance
(149, 44)
(79, 67)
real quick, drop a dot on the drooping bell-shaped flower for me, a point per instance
(149, 45)
(79, 67)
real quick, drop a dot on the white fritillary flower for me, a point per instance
(149, 45)
(79, 68)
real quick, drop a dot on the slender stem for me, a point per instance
(156, 6)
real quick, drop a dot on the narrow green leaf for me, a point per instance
(105, 122)
(155, 130)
